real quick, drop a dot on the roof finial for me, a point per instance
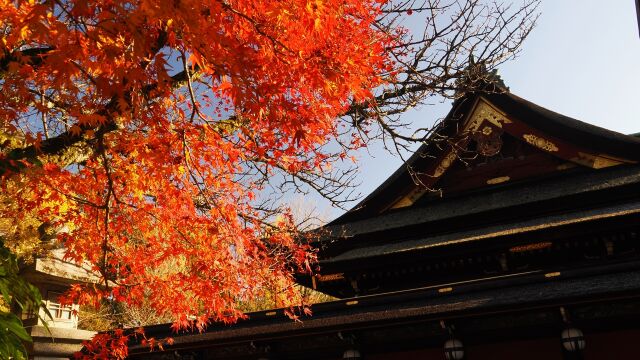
(476, 77)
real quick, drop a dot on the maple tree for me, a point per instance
(144, 133)
(446, 48)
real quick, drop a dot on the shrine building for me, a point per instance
(56, 336)
(513, 233)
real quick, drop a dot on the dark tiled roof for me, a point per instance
(504, 198)
(487, 232)
(387, 309)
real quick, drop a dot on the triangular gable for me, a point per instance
(494, 158)
(482, 135)
(488, 126)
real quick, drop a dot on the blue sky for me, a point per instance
(582, 60)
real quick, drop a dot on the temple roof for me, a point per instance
(510, 297)
(548, 191)
(499, 172)
(570, 141)
(53, 268)
(498, 230)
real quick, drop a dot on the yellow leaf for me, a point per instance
(64, 207)
(24, 32)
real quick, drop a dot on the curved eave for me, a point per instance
(515, 295)
(381, 196)
(534, 225)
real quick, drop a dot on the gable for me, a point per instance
(493, 147)
(490, 140)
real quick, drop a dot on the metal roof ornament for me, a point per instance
(477, 77)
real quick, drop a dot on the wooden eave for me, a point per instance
(531, 293)
(598, 187)
(577, 238)
(547, 223)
